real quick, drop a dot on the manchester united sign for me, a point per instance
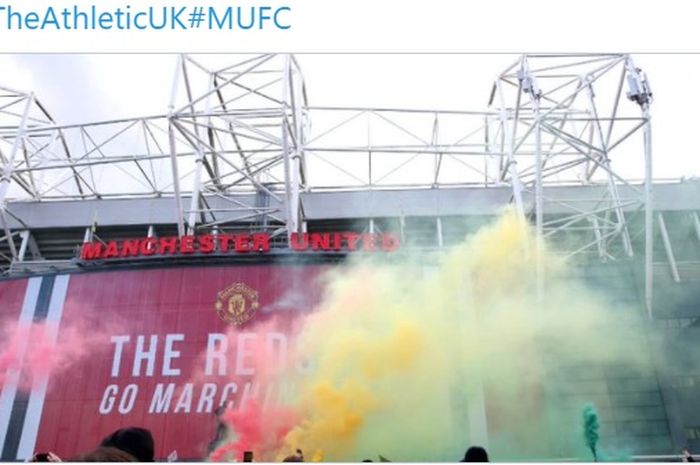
(222, 244)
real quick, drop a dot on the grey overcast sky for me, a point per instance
(80, 88)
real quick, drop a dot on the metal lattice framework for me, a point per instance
(551, 120)
(551, 128)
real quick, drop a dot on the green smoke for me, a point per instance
(590, 428)
(419, 359)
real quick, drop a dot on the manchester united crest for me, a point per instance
(237, 303)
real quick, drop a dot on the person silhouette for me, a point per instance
(475, 454)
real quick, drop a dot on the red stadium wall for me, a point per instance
(11, 298)
(173, 315)
(13, 312)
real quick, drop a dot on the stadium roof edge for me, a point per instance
(679, 196)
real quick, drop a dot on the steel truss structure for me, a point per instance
(248, 128)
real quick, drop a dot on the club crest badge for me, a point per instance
(237, 304)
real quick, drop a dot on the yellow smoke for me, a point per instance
(401, 351)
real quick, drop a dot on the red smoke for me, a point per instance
(35, 349)
(268, 363)
(257, 430)
(257, 424)
(10, 353)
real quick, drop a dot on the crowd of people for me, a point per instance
(124, 445)
(137, 445)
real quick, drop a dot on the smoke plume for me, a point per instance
(416, 362)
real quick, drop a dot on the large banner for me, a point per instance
(12, 295)
(163, 348)
(18, 299)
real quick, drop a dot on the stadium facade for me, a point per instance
(243, 190)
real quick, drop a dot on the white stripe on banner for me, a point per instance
(9, 389)
(38, 394)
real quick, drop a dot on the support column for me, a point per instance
(291, 157)
(7, 172)
(512, 167)
(669, 250)
(648, 216)
(179, 212)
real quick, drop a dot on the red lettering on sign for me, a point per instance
(167, 245)
(91, 250)
(320, 241)
(241, 243)
(390, 242)
(130, 248)
(296, 244)
(261, 242)
(206, 243)
(369, 242)
(337, 241)
(112, 250)
(224, 240)
(352, 239)
(148, 246)
(187, 244)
